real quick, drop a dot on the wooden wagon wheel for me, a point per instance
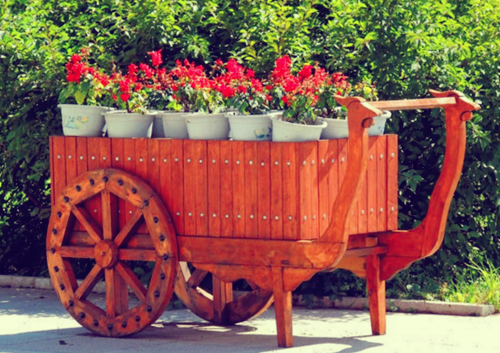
(115, 252)
(223, 306)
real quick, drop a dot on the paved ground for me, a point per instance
(33, 320)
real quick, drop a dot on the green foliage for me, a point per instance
(405, 47)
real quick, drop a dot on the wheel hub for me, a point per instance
(106, 254)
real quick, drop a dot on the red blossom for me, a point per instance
(257, 85)
(75, 58)
(156, 57)
(250, 73)
(113, 96)
(219, 62)
(125, 86)
(138, 86)
(242, 89)
(124, 97)
(306, 72)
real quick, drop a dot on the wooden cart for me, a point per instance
(273, 214)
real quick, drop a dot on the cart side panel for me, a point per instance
(177, 187)
(372, 184)
(238, 176)
(93, 157)
(201, 181)
(323, 184)
(226, 199)
(141, 167)
(332, 165)
(190, 188)
(251, 190)
(117, 162)
(381, 183)
(128, 166)
(165, 174)
(276, 192)
(392, 182)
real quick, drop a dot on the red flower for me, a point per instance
(156, 57)
(149, 72)
(242, 89)
(124, 97)
(75, 58)
(285, 100)
(175, 88)
(125, 86)
(257, 85)
(269, 87)
(250, 73)
(113, 96)
(219, 62)
(269, 97)
(138, 87)
(306, 72)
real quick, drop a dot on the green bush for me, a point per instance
(405, 46)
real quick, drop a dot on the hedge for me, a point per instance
(407, 47)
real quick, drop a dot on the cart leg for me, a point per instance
(223, 294)
(283, 309)
(376, 294)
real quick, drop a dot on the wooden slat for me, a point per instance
(178, 185)
(165, 170)
(117, 162)
(392, 182)
(59, 178)
(290, 158)
(129, 167)
(141, 166)
(251, 190)
(332, 165)
(226, 179)
(382, 163)
(372, 185)
(264, 190)
(276, 192)
(93, 156)
(154, 164)
(238, 167)
(201, 176)
(313, 165)
(190, 187)
(323, 165)
(52, 176)
(81, 160)
(214, 188)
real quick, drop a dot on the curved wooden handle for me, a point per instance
(405, 247)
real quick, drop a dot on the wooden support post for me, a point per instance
(376, 294)
(283, 309)
(222, 294)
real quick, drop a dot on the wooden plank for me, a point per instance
(190, 186)
(251, 190)
(141, 168)
(117, 162)
(93, 155)
(372, 185)
(238, 172)
(323, 212)
(305, 190)
(376, 295)
(214, 188)
(105, 162)
(313, 165)
(283, 309)
(426, 103)
(165, 169)
(332, 164)
(264, 189)
(276, 192)
(81, 155)
(129, 167)
(392, 182)
(381, 183)
(178, 184)
(154, 164)
(290, 157)
(59, 178)
(226, 180)
(343, 149)
(200, 164)
(52, 162)
(70, 158)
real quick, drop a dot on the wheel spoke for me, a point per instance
(136, 255)
(89, 282)
(77, 252)
(128, 228)
(109, 218)
(88, 222)
(196, 278)
(131, 279)
(110, 293)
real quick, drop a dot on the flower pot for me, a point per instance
(338, 128)
(284, 131)
(250, 127)
(335, 129)
(82, 120)
(174, 124)
(207, 126)
(379, 124)
(128, 124)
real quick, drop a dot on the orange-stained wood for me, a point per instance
(201, 188)
(290, 214)
(376, 294)
(190, 193)
(372, 186)
(214, 188)
(250, 190)
(238, 176)
(177, 189)
(282, 309)
(381, 210)
(226, 197)
(276, 216)
(264, 190)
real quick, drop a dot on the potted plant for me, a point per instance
(299, 94)
(130, 94)
(87, 87)
(248, 102)
(197, 96)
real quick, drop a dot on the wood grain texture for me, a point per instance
(214, 188)
(264, 190)
(376, 295)
(282, 309)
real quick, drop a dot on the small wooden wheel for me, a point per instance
(116, 252)
(222, 306)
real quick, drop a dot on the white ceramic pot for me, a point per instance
(250, 127)
(338, 128)
(82, 120)
(335, 129)
(207, 126)
(289, 132)
(129, 124)
(379, 124)
(174, 124)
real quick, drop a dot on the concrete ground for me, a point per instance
(33, 320)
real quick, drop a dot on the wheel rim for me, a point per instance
(115, 250)
(222, 306)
